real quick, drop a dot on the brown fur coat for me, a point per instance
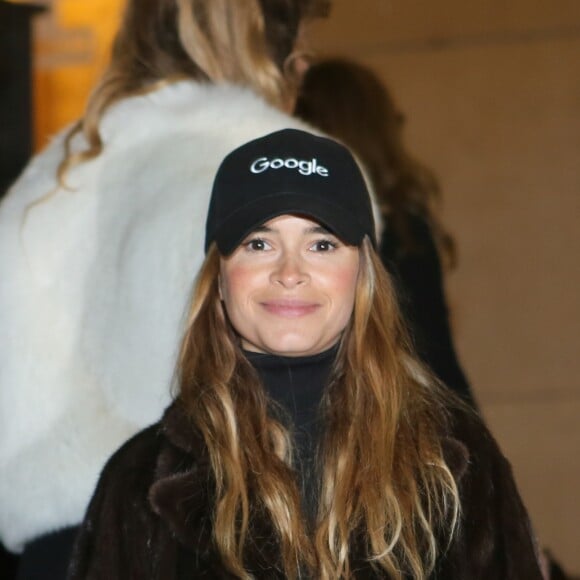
(150, 517)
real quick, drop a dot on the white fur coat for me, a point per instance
(93, 287)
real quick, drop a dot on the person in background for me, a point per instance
(348, 101)
(306, 439)
(101, 236)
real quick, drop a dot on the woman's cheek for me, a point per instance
(339, 279)
(237, 283)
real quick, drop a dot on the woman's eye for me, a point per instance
(257, 245)
(324, 246)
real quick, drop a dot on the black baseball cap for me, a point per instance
(288, 172)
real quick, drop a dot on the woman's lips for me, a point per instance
(290, 308)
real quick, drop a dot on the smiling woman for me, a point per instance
(289, 288)
(306, 440)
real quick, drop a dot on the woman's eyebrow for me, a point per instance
(310, 230)
(318, 230)
(261, 229)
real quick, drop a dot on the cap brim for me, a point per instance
(232, 232)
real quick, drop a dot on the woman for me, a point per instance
(306, 440)
(99, 240)
(349, 102)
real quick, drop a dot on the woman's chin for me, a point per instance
(290, 346)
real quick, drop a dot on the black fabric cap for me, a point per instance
(288, 172)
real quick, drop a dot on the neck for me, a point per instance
(295, 383)
(296, 386)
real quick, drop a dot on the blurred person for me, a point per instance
(306, 439)
(100, 237)
(349, 102)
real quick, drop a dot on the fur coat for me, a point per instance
(94, 283)
(150, 516)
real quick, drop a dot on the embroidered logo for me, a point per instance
(304, 166)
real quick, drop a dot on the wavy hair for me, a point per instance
(348, 101)
(246, 42)
(385, 487)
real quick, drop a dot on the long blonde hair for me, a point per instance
(384, 480)
(246, 42)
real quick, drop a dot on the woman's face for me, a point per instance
(289, 288)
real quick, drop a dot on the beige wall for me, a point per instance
(491, 90)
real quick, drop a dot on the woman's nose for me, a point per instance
(290, 271)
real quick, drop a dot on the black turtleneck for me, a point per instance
(297, 384)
